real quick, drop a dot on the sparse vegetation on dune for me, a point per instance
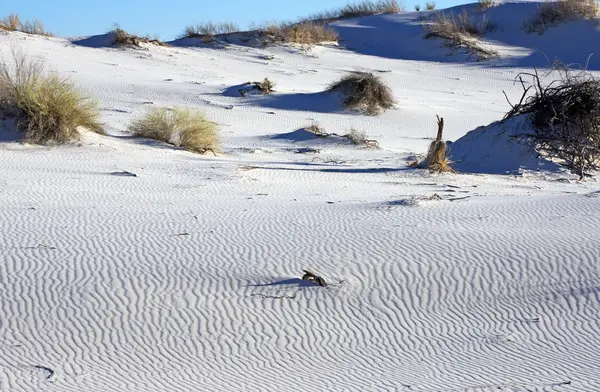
(461, 32)
(208, 30)
(363, 90)
(555, 12)
(123, 38)
(430, 6)
(304, 33)
(183, 128)
(356, 137)
(309, 33)
(13, 23)
(47, 107)
(565, 114)
(356, 9)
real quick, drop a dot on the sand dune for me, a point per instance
(186, 276)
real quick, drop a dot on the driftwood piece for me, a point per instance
(314, 278)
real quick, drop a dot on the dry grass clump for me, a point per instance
(317, 130)
(363, 90)
(359, 8)
(265, 87)
(359, 138)
(565, 115)
(208, 30)
(304, 33)
(554, 12)
(123, 38)
(309, 33)
(461, 32)
(183, 128)
(430, 5)
(48, 108)
(13, 23)
(437, 161)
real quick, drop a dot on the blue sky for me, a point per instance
(167, 18)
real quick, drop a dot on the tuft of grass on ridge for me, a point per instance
(555, 12)
(13, 23)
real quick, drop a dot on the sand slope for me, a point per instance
(185, 277)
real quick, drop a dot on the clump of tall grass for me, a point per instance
(209, 29)
(357, 9)
(461, 32)
(13, 23)
(48, 108)
(183, 128)
(554, 12)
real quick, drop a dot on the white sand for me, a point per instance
(186, 277)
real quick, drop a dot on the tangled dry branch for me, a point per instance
(565, 115)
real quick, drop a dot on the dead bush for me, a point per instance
(565, 116)
(183, 128)
(363, 90)
(430, 5)
(461, 32)
(13, 23)
(47, 107)
(417, 7)
(359, 138)
(555, 12)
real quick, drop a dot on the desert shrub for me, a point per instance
(183, 128)
(209, 29)
(554, 12)
(417, 7)
(430, 5)
(363, 90)
(486, 4)
(13, 23)
(565, 116)
(461, 32)
(123, 38)
(48, 108)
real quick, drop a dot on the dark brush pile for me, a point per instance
(565, 115)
